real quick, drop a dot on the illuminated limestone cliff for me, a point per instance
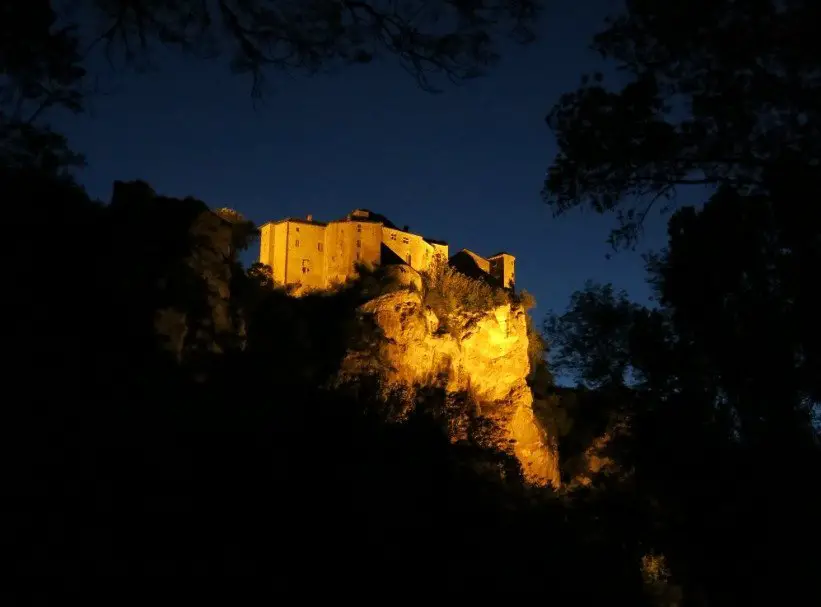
(483, 356)
(442, 332)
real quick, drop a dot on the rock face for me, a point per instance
(482, 356)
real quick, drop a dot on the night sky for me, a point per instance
(465, 165)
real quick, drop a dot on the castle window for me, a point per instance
(405, 240)
(319, 247)
(393, 236)
(357, 254)
(306, 266)
(296, 243)
(358, 227)
(297, 228)
(358, 243)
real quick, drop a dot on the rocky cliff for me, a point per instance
(460, 338)
(481, 362)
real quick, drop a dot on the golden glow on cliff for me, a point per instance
(484, 355)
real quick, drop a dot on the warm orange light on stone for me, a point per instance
(311, 255)
(486, 355)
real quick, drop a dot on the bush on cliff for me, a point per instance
(448, 292)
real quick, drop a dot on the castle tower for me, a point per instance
(503, 269)
(294, 248)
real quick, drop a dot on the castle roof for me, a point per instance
(480, 261)
(358, 216)
(473, 254)
(356, 219)
(500, 253)
(367, 216)
(296, 220)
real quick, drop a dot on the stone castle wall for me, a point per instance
(316, 255)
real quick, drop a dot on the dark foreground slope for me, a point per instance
(210, 448)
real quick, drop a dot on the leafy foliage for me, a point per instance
(40, 68)
(591, 340)
(40, 61)
(722, 92)
(448, 292)
(754, 317)
(45, 46)
(455, 39)
(723, 386)
(720, 436)
(700, 406)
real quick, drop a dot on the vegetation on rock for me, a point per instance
(447, 290)
(172, 414)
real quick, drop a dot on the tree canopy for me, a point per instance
(719, 93)
(712, 392)
(455, 38)
(45, 46)
(45, 43)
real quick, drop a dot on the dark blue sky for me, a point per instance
(465, 165)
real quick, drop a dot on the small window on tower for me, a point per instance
(358, 243)
(296, 243)
(297, 228)
(358, 227)
(405, 240)
(319, 247)
(393, 236)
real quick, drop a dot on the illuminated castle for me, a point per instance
(315, 255)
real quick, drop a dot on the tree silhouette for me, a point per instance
(40, 68)
(455, 39)
(45, 46)
(711, 450)
(720, 93)
(590, 340)
(724, 398)
(723, 391)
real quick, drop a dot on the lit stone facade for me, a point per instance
(316, 255)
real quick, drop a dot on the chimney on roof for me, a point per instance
(310, 217)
